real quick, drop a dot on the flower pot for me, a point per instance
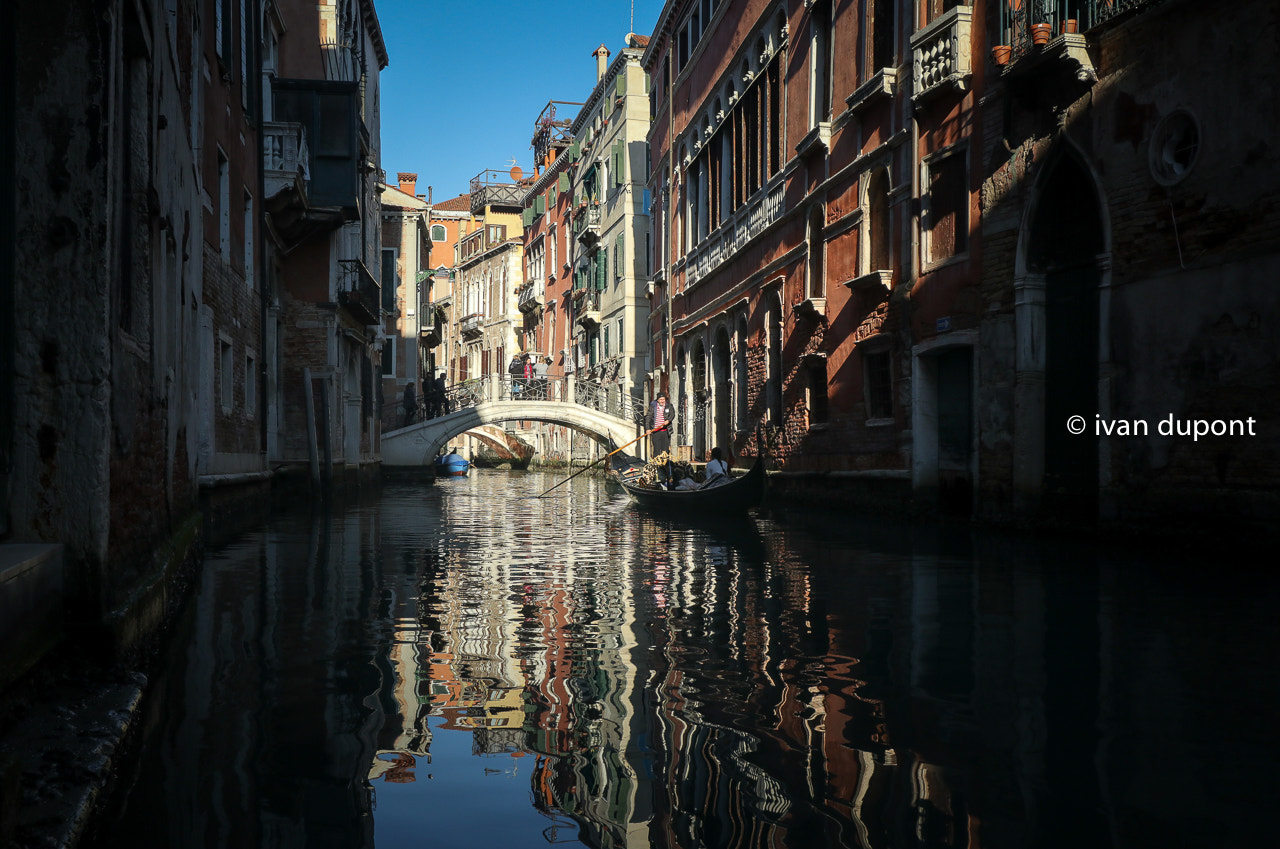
(1001, 53)
(1070, 25)
(1040, 34)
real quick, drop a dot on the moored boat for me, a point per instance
(451, 466)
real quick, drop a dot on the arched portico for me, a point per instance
(418, 444)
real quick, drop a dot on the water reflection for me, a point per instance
(468, 664)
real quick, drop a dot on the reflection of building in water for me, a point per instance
(581, 664)
(776, 704)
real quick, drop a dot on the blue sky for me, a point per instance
(468, 78)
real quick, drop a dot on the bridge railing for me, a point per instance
(604, 398)
(609, 398)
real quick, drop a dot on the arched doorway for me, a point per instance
(722, 373)
(698, 382)
(1064, 244)
(742, 401)
(773, 364)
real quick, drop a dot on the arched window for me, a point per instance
(438, 233)
(878, 257)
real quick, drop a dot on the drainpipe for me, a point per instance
(669, 213)
(266, 353)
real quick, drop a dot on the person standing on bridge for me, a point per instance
(410, 404)
(442, 395)
(661, 417)
(540, 377)
(516, 370)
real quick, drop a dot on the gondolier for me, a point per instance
(661, 420)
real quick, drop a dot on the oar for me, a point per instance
(605, 457)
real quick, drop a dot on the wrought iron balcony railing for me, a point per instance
(359, 291)
(1028, 24)
(470, 324)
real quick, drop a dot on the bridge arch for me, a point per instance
(418, 444)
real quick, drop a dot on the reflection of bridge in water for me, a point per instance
(601, 412)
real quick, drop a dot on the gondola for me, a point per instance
(737, 496)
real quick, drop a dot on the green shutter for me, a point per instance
(619, 156)
(622, 84)
(539, 205)
(602, 270)
(527, 216)
(563, 182)
(617, 256)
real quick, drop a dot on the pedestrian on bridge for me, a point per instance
(442, 394)
(410, 404)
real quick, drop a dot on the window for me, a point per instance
(820, 63)
(389, 357)
(881, 33)
(617, 335)
(248, 240)
(935, 9)
(878, 220)
(877, 385)
(819, 408)
(224, 206)
(250, 384)
(225, 375)
(617, 258)
(438, 233)
(244, 56)
(946, 206)
(390, 283)
(817, 253)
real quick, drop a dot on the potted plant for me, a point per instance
(1040, 34)
(1001, 53)
(1070, 25)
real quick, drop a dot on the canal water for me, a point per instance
(466, 664)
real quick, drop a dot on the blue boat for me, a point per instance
(451, 466)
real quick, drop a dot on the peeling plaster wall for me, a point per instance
(106, 291)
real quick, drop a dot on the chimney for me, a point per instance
(408, 182)
(602, 61)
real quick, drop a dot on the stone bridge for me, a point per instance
(585, 407)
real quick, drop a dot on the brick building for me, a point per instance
(236, 354)
(324, 216)
(1131, 221)
(911, 254)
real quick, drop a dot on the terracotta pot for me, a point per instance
(1040, 34)
(1001, 52)
(1070, 25)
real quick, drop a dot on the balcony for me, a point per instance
(941, 54)
(471, 325)
(434, 320)
(496, 188)
(588, 314)
(531, 296)
(286, 160)
(1049, 34)
(587, 225)
(729, 238)
(329, 113)
(359, 293)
